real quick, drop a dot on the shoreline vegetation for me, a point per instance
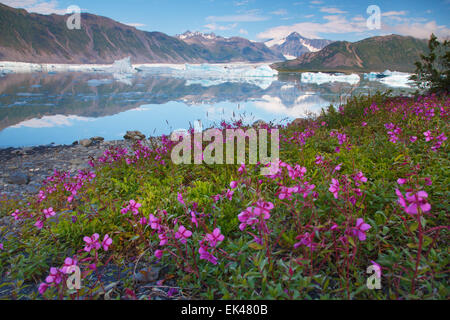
(362, 185)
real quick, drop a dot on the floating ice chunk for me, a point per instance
(123, 66)
(391, 78)
(320, 78)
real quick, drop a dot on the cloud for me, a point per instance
(393, 13)
(136, 25)
(243, 31)
(419, 30)
(316, 2)
(241, 3)
(333, 24)
(216, 27)
(332, 10)
(37, 6)
(280, 12)
(51, 121)
(247, 17)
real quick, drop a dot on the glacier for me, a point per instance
(321, 78)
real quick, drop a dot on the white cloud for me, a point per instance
(393, 13)
(243, 31)
(247, 17)
(37, 6)
(216, 27)
(280, 12)
(51, 121)
(420, 30)
(332, 10)
(334, 24)
(136, 25)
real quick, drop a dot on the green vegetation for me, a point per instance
(362, 185)
(433, 71)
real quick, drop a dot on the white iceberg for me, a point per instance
(391, 78)
(213, 74)
(321, 78)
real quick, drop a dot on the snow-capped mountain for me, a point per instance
(230, 49)
(295, 45)
(189, 35)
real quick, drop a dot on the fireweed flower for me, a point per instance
(252, 215)
(43, 287)
(49, 212)
(401, 181)
(233, 184)
(107, 241)
(183, 234)
(206, 255)
(163, 239)
(413, 201)
(54, 276)
(180, 198)
(194, 218)
(319, 159)
(360, 229)
(215, 237)
(359, 178)
(1, 246)
(306, 240)
(92, 242)
(134, 207)
(159, 254)
(413, 139)
(68, 263)
(229, 194)
(242, 169)
(39, 224)
(154, 222)
(377, 268)
(334, 188)
(428, 136)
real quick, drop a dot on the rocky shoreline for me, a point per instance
(22, 170)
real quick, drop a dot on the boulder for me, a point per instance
(85, 142)
(18, 178)
(134, 135)
(98, 139)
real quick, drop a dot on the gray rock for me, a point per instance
(19, 178)
(85, 142)
(134, 135)
(147, 275)
(98, 139)
(259, 123)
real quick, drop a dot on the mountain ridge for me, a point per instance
(296, 45)
(375, 54)
(36, 38)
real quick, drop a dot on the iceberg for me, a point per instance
(321, 78)
(391, 78)
(213, 74)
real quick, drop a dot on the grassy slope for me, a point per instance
(275, 270)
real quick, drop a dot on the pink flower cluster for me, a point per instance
(413, 201)
(254, 215)
(132, 206)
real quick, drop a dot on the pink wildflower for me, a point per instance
(183, 234)
(360, 229)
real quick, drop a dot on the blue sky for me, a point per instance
(264, 19)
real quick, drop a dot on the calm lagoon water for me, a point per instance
(40, 109)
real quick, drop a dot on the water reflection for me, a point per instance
(39, 108)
